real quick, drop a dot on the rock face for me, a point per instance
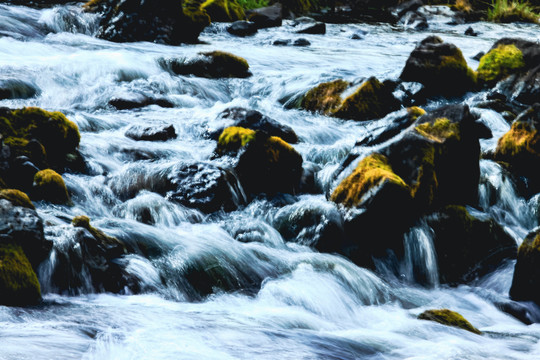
(212, 65)
(449, 318)
(267, 17)
(440, 67)
(527, 272)
(168, 22)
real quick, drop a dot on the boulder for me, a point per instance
(325, 97)
(440, 67)
(255, 120)
(151, 133)
(500, 62)
(169, 22)
(526, 278)
(17, 89)
(212, 65)
(232, 139)
(301, 42)
(138, 101)
(50, 186)
(266, 17)
(17, 198)
(223, 10)
(242, 28)
(467, 247)
(318, 28)
(449, 318)
(19, 285)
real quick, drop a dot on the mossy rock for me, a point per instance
(440, 130)
(449, 318)
(223, 10)
(19, 285)
(372, 100)
(50, 186)
(526, 279)
(440, 67)
(415, 112)
(83, 221)
(213, 65)
(57, 136)
(325, 97)
(500, 62)
(233, 139)
(17, 198)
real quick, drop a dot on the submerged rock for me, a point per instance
(526, 279)
(17, 89)
(449, 318)
(141, 133)
(214, 64)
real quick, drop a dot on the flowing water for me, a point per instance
(284, 300)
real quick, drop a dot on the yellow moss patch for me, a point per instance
(370, 172)
(440, 130)
(83, 221)
(192, 10)
(520, 139)
(449, 318)
(49, 186)
(415, 112)
(463, 5)
(276, 148)
(228, 59)
(223, 10)
(18, 281)
(365, 103)
(325, 97)
(499, 63)
(17, 198)
(233, 138)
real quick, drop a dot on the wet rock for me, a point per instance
(449, 318)
(232, 139)
(499, 63)
(266, 17)
(440, 67)
(223, 10)
(414, 20)
(168, 22)
(478, 56)
(470, 32)
(155, 133)
(318, 28)
(50, 186)
(281, 42)
(301, 42)
(17, 198)
(212, 65)
(405, 7)
(523, 88)
(140, 101)
(255, 120)
(242, 28)
(204, 186)
(19, 285)
(17, 89)
(357, 36)
(527, 272)
(468, 247)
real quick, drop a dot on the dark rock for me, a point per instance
(212, 65)
(527, 272)
(405, 7)
(17, 89)
(415, 21)
(254, 120)
(478, 56)
(242, 28)
(22, 173)
(140, 133)
(138, 101)
(281, 42)
(266, 17)
(470, 32)
(318, 28)
(301, 42)
(223, 10)
(204, 186)
(356, 36)
(523, 88)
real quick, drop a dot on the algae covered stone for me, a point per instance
(526, 280)
(449, 318)
(233, 139)
(499, 63)
(50, 186)
(19, 285)
(213, 65)
(223, 10)
(17, 198)
(325, 97)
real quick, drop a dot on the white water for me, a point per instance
(291, 302)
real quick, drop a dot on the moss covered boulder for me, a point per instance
(223, 10)
(371, 100)
(17, 198)
(233, 139)
(526, 281)
(500, 62)
(50, 186)
(212, 65)
(440, 67)
(449, 318)
(19, 285)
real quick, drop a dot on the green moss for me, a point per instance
(370, 172)
(223, 10)
(499, 63)
(18, 282)
(192, 10)
(415, 112)
(506, 11)
(228, 60)
(233, 138)
(440, 130)
(49, 186)
(17, 198)
(521, 139)
(449, 318)
(325, 97)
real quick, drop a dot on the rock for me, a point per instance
(19, 285)
(223, 10)
(212, 65)
(414, 20)
(242, 28)
(405, 7)
(467, 247)
(17, 89)
(356, 36)
(325, 97)
(523, 88)
(500, 62)
(168, 22)
(254, 120)
(267, 17)
(49, 186)
(140, 133)
(281, 42)
(530, 50)
(56, 137)
(301, 42)
(21, 173)
(319, 28)
(83, 221)
(269, 165)
(23, 227)
(138, 101)
(449, 318)
(478, 56)
(17, 198)
(232, 139)
(440, 67)
(519, 147)
(470, 32)
(204, 186)
(527, 272)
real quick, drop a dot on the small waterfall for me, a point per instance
(420, 263)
